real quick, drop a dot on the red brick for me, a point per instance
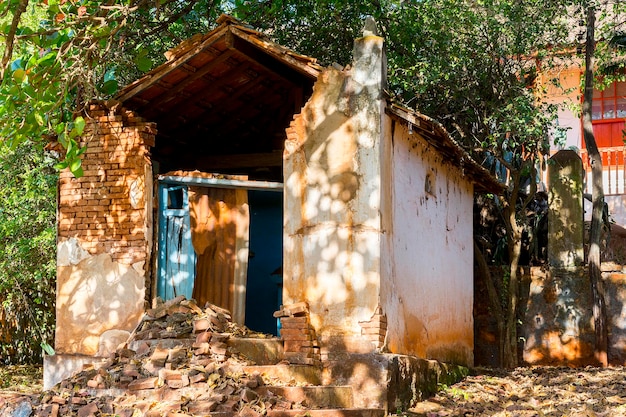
(296, 334)
(294, 322)
(145, 383)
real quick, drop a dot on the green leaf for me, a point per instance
(110, 87)
(19, 75)
(144, 64)
(39, 119)
(47, 348)
(78, 172)
(79, 125)
(75, 165)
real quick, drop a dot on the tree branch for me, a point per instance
(10, 39)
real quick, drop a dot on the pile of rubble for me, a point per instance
(177, 362)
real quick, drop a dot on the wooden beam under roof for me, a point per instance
(270, 62)
(251, 160)
(229, 31)
(223, 183)
(170, 93)
(199, 99)
(164, 69)
(281, 53)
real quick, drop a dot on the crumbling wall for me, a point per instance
(332, 201)
(104, 231)
(557, 327)
(558, 321)
(378, 228)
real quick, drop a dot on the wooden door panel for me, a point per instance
(177, 260)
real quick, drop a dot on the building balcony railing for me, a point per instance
(612, 170)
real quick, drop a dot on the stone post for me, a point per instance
(565, 215)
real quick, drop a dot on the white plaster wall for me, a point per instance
(428, 298)
(94, 295)
(332, 225)
(332, 197)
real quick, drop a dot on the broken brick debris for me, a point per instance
(300, 342)
(146, 381)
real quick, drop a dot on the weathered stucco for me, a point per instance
(428, 293)
(557, 327)
(354, 247)
(558, 321)
(93, 296)
(332, 182)
(565, 211)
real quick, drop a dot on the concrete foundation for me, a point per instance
(58, 367)
(389, 381)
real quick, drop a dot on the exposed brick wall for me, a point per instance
(300, 345)
(375, 329)
(105, 209)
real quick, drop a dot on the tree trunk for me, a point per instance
(494, 298)
(509, 360)
(595, 274)
(514, 246)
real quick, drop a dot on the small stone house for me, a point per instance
(244, 174)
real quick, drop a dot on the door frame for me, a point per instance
(166, 181)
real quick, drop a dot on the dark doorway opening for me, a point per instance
(265, 280)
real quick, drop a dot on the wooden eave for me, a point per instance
(440, 140)
(225, 93)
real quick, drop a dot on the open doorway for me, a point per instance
(220, 241)
(265, 277)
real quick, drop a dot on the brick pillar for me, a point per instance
(300, 345)
(104, 231)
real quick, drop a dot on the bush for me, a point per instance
(27, 252)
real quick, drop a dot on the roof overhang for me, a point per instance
(222, 101)
(441, 141)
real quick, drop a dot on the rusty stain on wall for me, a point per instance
(428, 294)
(105, 231)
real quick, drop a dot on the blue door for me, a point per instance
(177, 258)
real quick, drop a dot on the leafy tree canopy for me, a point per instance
(27, 248)
(59, 54)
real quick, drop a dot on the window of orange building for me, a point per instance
(608, 114)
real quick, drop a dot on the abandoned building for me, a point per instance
(244, 174)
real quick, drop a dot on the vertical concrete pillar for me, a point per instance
(565, 215)
(332, 239)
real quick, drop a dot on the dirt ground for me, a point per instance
(540, 391)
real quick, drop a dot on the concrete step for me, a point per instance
(309, 396)
(312, 396)
(260, 351)
(288, 374)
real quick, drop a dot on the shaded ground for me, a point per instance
(18, 383)
(21, 379)
(541, 391)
